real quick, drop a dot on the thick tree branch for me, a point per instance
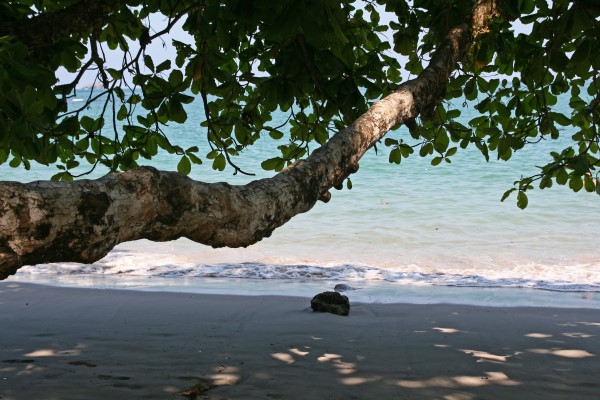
(82, 221)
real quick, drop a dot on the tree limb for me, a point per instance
(83, 220)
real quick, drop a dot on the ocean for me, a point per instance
(409, 232)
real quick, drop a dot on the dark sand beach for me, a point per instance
(66, 343)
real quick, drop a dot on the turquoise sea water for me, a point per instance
(401, 228)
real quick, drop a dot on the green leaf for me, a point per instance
(426, 149)
(272, 164)
(436, 160)
(560, 119)
(175, 78)
(522, 200)
(545, 182)
(576, 183)
(219, 163)
(163, 66)
(589, 184)
(582, 53)
(62, 176)
(390, 142)
(114, 73)
(470, 89)
(441, 142)
(451, 152)
(194, 158)
(149, 62)
(395, 156)
(184, 166)
(562, 177)
(176, 112)
(275, 134)
(15, 162)
(122, 113)
(321, 134)
(507, 193)
(87, 123)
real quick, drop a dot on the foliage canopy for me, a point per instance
(322, 62)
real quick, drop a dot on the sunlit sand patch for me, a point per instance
(344, 368)
(222, 368)
(578, 335)
(566, 353)
(539, 335)
(328, 357)
(446, 330)
(299, 352)
(485, 355)
(225, 379)
(455, 382)
(283, 357)
(357, 380)
(53, 353)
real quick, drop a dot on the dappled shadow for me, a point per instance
(160, 345)
(427, 359)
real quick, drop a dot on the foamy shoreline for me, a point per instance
(369, 292)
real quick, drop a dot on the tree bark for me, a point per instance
(82, 221)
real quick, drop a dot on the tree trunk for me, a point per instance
(82, 221)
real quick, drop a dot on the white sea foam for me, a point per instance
(562, 277)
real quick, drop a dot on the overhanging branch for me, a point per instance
(82, 221)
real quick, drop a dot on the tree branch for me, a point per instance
(83, 220)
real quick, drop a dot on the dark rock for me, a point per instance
(342, 287)
(331, 302)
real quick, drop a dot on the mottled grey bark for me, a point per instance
(82, 221)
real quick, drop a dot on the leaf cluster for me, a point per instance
(319, 62)
(533, 78)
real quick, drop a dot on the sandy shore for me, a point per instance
(61, 343)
